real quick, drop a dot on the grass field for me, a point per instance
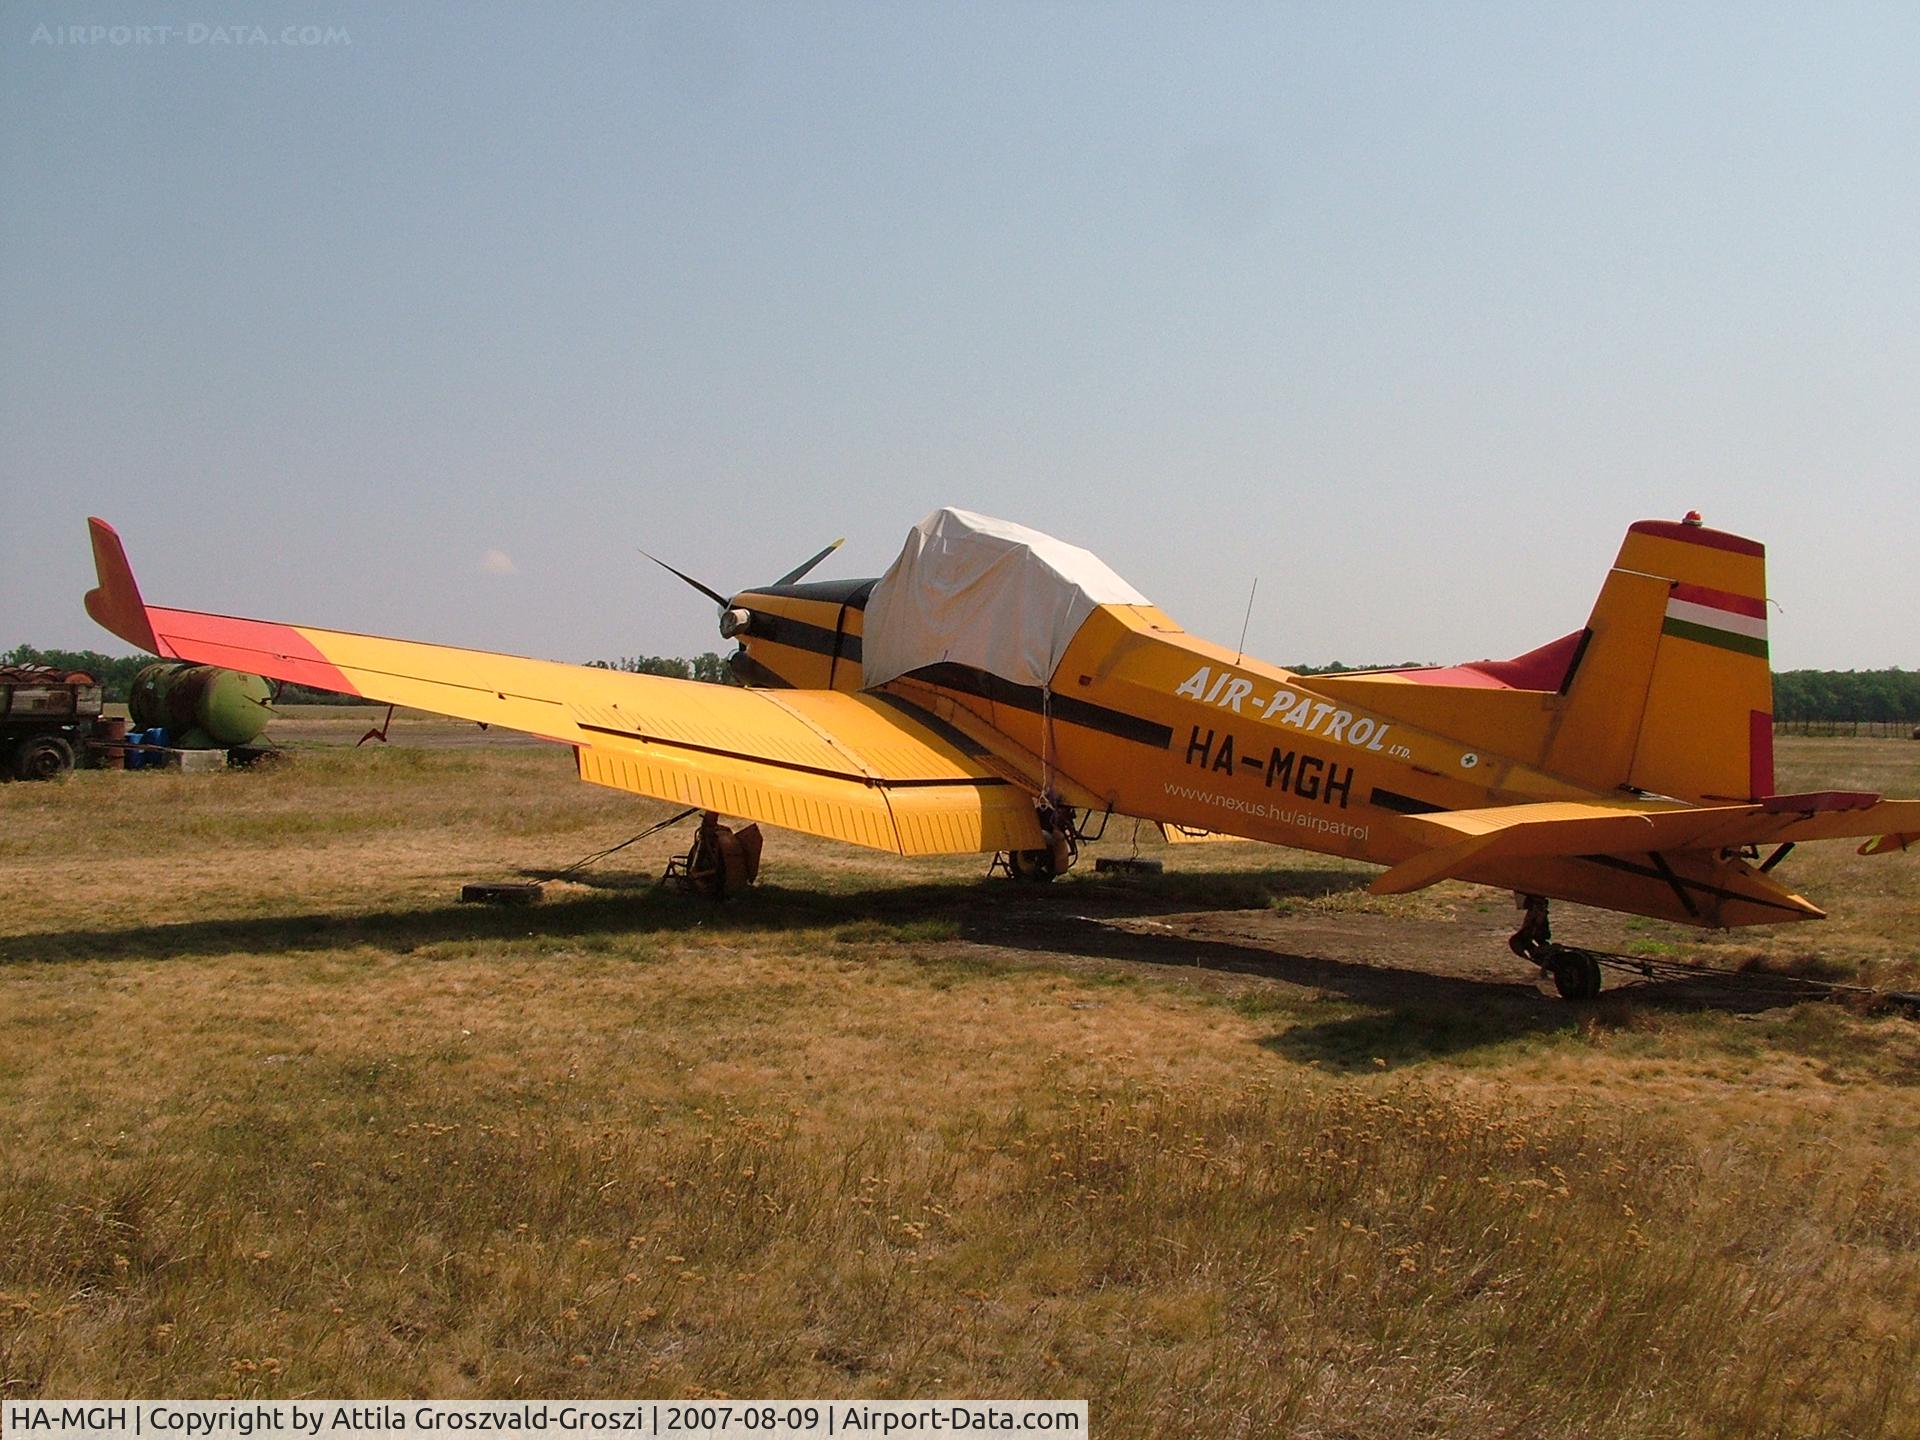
(1238, 1149)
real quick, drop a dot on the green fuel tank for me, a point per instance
(201, 706)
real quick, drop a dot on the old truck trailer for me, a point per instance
(47, 716)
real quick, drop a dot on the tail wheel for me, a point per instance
(1576, 975)
(42, 757)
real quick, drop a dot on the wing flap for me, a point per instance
(847, 768)
(794, 801)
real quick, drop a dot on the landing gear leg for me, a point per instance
(1576, 973)
(1535, 934)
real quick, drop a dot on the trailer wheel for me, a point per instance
(42, 757)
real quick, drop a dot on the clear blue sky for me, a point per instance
(1406, 309)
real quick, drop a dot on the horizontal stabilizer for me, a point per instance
(1461, 841)
(1891, 844)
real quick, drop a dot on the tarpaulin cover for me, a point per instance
(987, 593)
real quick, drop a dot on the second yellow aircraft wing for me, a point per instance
(871, 770)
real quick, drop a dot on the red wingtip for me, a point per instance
(116, 602)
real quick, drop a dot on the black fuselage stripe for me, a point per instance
(773, 629)
(969, 681)
(946, 730)
(804, 635)
(851, 593)
(1403, 804)
(752, 672)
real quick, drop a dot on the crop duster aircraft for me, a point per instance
(997, 688)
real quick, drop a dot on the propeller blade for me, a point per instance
(708, 591)
(794, 574)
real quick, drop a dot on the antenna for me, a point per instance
(1243, 622)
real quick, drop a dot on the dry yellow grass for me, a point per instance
(278, 1117)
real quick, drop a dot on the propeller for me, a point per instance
(794, 575)
(791, 577)
(706, 590)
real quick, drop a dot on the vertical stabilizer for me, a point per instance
(1673, 694)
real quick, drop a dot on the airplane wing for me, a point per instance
(871, 770)
(1459, 840)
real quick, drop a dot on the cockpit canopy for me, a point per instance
(968, 589)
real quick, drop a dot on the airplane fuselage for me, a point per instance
(1145, 720)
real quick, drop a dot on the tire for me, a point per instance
(42, 757)
(1575, 976)
(1035, 867)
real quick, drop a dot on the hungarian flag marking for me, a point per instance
(1715, 617)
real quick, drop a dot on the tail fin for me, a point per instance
(1672, 693)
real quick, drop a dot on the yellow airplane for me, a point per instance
(997, 690)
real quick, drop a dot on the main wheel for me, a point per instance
(1575, 976)
(1036, 867)
(42, 757)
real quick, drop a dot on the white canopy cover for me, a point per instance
(987, 593)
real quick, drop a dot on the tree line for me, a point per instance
(707, 666)
(116, 673)
(1846, 697)
(1800, 697)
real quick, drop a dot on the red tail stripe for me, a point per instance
(1721, 600)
